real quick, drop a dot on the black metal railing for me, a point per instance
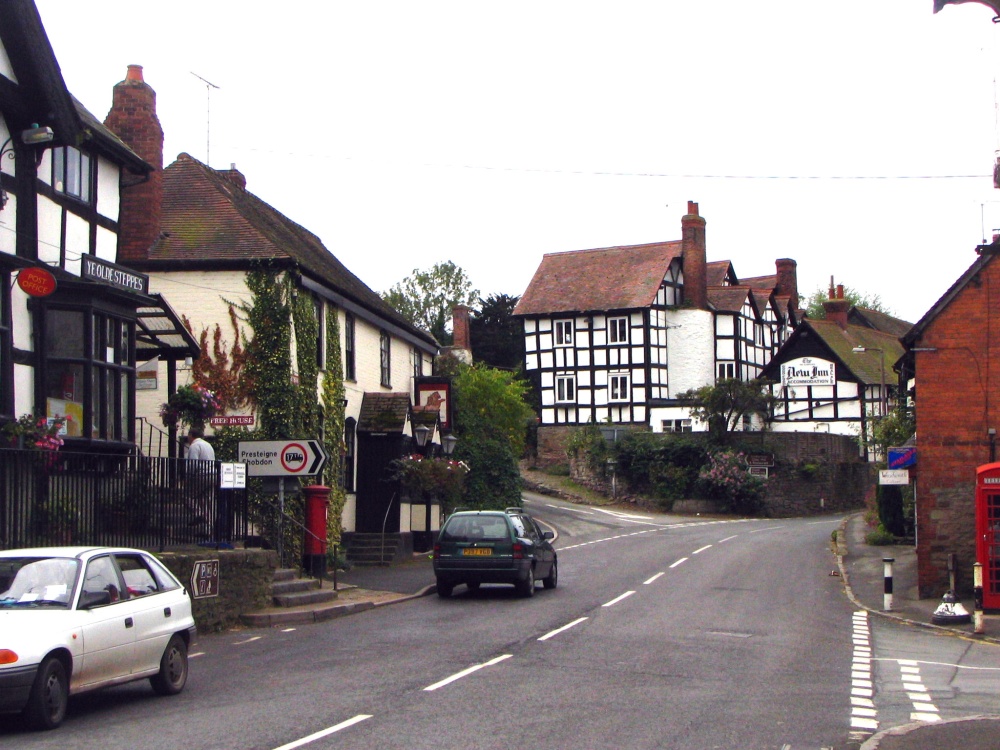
(57, 497)
(151, 440)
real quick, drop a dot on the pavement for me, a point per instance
(862, 570)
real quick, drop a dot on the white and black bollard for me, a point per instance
(977, 592)
(887, 574)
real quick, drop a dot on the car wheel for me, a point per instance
(527, 586)
(173, 672)
(444, 588)
(46, 707)
(472, 585)
(552, 579)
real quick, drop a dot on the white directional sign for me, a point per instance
(283, 458)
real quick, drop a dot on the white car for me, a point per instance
(74, 619)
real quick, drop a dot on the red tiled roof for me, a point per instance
(727, 298)
(611, 278)
(207, 218)
(719, 271)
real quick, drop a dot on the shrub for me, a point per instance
(726, 478)
(664, 466)
(879, 537)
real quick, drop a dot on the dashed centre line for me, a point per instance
(325, 732)
(466, 672)
(674, 565)
(617, 599)
(557, 631)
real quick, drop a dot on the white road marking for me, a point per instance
(617, 599)
(728, 538)
(702, 549)
(864, 717)
(466, 672)
(575, 510)
(769, 528)
(674, 565)
(325, 732)
(248, 640)
(650, 580)
(557, 631)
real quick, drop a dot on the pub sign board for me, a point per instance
(808, 371)
(104, 272)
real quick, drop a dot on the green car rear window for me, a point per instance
(476, 528)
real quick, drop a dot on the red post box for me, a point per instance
(314, 549)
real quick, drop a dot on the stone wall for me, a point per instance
(245, 578)
(814, 473)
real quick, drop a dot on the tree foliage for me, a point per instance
(427, 298)
(724, 405)
(220, 368)
(497, 336)
(870, 301)
(491, 420)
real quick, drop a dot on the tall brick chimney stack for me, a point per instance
(132, 118)
(461, 338)
(788, 283)
(695, 263)
(836, 307)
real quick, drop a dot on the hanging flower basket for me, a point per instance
(191, 405)
(33, 433)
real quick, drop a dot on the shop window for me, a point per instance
(89, 373)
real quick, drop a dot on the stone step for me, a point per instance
(294, 585)
(300, 598)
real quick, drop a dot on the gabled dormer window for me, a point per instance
(72, 172)
(564, 332)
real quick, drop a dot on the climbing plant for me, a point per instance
(333, 434)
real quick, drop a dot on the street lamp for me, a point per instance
(448, 444)
(881, 367)
(420, 434)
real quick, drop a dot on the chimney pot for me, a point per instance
(134, 73)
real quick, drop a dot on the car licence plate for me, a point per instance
(480, 551)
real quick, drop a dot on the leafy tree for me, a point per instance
(491, 419)
(891, 501)
(816, 311)
(724, 405)
(497, 336)
(427, 298)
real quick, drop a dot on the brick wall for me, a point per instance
(957, 403)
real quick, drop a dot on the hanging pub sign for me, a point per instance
(36, 282)
(808, 371)
(435, 393)
(95, 269)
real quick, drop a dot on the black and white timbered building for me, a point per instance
(613, 335)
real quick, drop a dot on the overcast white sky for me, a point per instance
(842, 135)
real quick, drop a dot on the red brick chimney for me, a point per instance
(787, 283)
(132, 118)
(693, 253)
(235, 176)
(460, 328)
(836, 307)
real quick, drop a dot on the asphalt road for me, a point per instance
(663, 633)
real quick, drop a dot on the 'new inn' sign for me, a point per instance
(807, 371)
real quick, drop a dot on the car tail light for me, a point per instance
(7, 656)
(437, 551)
(518, 551)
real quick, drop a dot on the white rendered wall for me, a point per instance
(691, 350)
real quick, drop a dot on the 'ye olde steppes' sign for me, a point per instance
(808, 371)
(95, 269)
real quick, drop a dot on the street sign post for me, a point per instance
(205, 579)
(283, 458)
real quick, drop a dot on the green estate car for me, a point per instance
(494, 546)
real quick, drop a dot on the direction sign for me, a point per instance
(205, 579)
(283, 458)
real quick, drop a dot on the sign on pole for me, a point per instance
(900, 458)
(894, 476)
(283, 458)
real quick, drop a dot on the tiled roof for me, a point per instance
(727, 298)
(207, 219)
(880, 321)
(761, 282)
(612, 278)
(383, 412)
(865, 365)
(717, 272)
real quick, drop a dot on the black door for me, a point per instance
(377, 495)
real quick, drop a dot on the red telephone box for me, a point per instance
(988, 531)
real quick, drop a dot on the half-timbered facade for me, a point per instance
(833, 375)
(68, 344)
(613, 335)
